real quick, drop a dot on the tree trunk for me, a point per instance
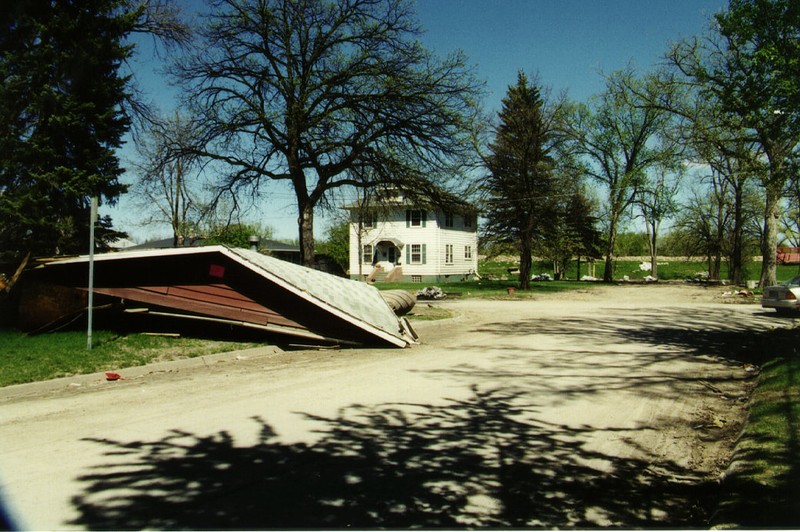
(654, 260)
(713, 274)
(306, 224)
(360, 244)
(652, 243)
(525, 262)
(608, 270)
(737, 264)
(769, 244)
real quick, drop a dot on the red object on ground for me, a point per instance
(111, 376)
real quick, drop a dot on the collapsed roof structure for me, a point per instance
(216, 284)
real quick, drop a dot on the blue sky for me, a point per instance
(567, 43)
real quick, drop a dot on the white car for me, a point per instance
(784, 298)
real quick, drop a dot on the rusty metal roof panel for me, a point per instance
(356, 302)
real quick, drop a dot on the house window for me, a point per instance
(366, 255)
(415, 218)
(448, 253)
(416, 278)
(448, 219)
(415, 254)
(368, 219)
(468, 252)
(468, 220)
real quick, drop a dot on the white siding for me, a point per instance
(433, 235)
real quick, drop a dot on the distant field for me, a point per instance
(669, 268)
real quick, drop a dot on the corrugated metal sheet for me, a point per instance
(359, 302)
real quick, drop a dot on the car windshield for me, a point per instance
(793, 282)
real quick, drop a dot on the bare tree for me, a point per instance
(168, 189)
(305, 91)
(706, 219)
(657, 201)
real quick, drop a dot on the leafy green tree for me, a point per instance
(749, 64)
(236, 235)
(337, 243)
(790, 219)
(520, 189)
(622, 138)
(325, 95)
(630, 244)
(573, 231)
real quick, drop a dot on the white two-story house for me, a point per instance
(399, 241)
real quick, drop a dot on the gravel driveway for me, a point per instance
(616, 406)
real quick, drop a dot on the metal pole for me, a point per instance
(93, 218)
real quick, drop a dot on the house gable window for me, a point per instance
(416, 218)
(469, 220)
(448, 219)
(368, 219)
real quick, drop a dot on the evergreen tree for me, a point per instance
(519, 189)
(61, 119)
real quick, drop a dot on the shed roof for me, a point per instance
(357, 303)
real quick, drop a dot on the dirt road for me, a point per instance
(615, 406)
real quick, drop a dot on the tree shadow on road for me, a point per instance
(725, 333)
(617, 350)
(738, 339)
(482, 462)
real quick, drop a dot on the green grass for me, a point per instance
(775, 420)
(764, 488)
(48, 356)
(428, 312)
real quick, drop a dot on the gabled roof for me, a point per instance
(314, 301)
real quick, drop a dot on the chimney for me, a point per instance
(253, 240)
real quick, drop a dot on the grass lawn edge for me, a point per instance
(761, 487)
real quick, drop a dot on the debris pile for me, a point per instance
(738, 293)
(431, 292)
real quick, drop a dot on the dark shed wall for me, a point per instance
(207, 284)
